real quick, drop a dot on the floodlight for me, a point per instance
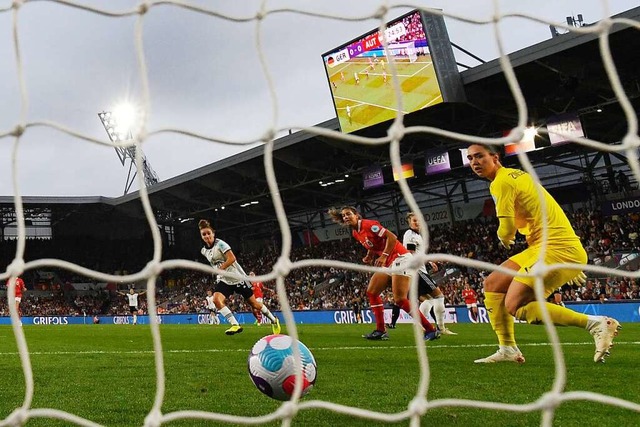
(126, 117)
(119, 124)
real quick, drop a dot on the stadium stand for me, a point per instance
(611, 241)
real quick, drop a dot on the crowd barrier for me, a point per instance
(623, 311)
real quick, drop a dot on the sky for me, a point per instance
(204, 76)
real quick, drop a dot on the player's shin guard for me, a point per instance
(375, 302)
(406, 306)
(501, 320)
(559, 315)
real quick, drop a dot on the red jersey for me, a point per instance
(469, 296)
(370, 234)
(258, 288)
(20, 287)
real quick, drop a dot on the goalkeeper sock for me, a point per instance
(395, 313)
(559, 315)
(228, 315)
(406, 306)
(264, 310)
(501, 320)
(438, 311)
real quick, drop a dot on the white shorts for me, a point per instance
(402, 261)
(18, 299)
(472, 305)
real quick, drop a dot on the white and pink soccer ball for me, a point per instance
(272, 367)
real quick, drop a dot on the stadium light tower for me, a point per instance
(118, 124)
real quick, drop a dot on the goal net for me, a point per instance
(421, 403)
(407, 50)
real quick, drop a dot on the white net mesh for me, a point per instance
(420, 404)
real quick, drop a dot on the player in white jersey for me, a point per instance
(430, 294)
(213, 311)
(220, 256)
(132, 298)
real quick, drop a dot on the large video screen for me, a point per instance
(360, 77)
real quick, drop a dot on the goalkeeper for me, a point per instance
(518, 208)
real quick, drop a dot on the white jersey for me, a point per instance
(215, 256)
(210, 304)
(133, 300)
(413, 240)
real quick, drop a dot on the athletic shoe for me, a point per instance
(391, 326)
(503, 356)
(433, 335)
(234, 329)
(275, 327)
(377, 335)
(603, 333)
(445, 331)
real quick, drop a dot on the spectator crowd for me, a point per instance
(610, 241)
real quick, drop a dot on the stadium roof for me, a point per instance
(562, 74)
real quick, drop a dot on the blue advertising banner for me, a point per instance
(561, 126)
(373, 177)
(618, 207)
(622, 311)
(437, 162)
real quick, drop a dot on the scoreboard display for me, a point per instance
(360, 75)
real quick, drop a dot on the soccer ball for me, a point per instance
(272, 367)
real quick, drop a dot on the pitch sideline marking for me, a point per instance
(445, 346)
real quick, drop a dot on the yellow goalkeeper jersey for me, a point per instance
(516, 196)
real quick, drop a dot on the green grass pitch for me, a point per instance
(106, 373)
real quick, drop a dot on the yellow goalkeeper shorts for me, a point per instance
(555, 254)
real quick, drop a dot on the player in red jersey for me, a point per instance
(20, 288)
(383, 250)
(258, 292)
(471, 299)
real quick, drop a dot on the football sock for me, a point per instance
(425, 307)
(135, 319)
(561, 316)
(375, 303)
(228, 315)
(264, 310)
(592, 321)
(501, 320)
(438, 311)
(395, 313)
(406, 306)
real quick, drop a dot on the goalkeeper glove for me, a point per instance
(507, 243)
(579, 280)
